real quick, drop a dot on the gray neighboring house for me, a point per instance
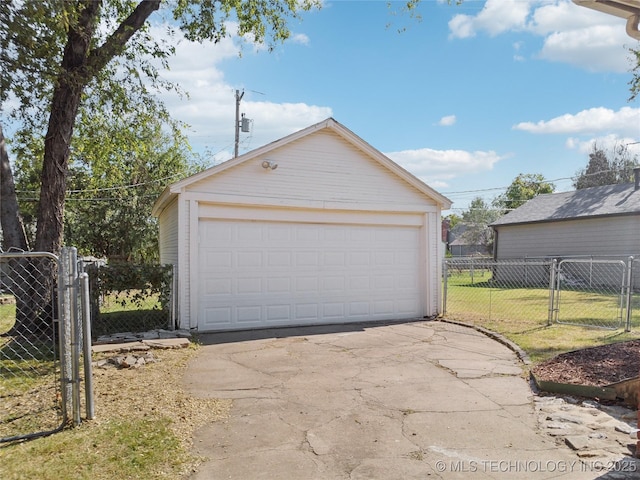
(598, 221)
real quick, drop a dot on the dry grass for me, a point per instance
(143, 428)
(156, 389)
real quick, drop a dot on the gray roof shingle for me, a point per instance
(607, 200)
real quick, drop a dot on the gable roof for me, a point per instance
(608, 200)
(330, 124)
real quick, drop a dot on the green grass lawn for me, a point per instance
(521, 314)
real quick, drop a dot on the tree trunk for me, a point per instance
(13, 236)
(17, 273)
(64, 108)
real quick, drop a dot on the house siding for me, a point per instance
(168, 235)
(322, 169)
(607, 236)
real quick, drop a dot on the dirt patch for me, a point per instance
(595, 366)
(155, 389)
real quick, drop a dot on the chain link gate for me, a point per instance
(29, 351)
(591, 292)
(40, 338)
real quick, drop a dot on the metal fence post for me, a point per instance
(64, 309)
(627, 327)
(445, 273)
(552, 291)
(86, 351)
(70, 259)
(172, 308)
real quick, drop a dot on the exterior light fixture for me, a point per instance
(269, 165)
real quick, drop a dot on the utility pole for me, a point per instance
(238, 98)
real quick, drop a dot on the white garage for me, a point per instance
(315, 228)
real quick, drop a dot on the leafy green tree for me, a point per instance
(523, 188)
(606, 168)
(111, 191)
(634, 83)
(477, 219)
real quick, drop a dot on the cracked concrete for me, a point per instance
(394, 401)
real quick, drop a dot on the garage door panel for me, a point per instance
(277, 313)
(279, 285)
(305, 259)
(216, 316)
(250, 259)
(267, 274)
(217, 286)
(359, 283)
(249, 313)
(383, 307)
(359, 309)
(307, 311)
(247, 232)
(306, 284)
(279, 259)
(333, 310)
(250, 285)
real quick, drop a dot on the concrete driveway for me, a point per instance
(395, 401)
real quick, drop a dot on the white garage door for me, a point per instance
(262, 274)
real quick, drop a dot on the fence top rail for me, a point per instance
(583, 260)
(499, 262)
(8, 255)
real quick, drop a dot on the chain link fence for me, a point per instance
(603, 293)
(131, 298)
(42, 300)
(481, 288)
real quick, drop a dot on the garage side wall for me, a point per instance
(168, 234)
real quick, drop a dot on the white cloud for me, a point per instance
(447, 121)
(571, 34)
(594, 120)
(435, 167)
(210, 108)
(598, 48)
(300, 38)
(496, 17)
(607, 143)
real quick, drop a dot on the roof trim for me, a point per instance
(329, 123)
(568, 219)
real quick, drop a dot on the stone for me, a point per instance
(577, 442)
(624, 428)
(564, 417)
(129, 361)
(592, 453)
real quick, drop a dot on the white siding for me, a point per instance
(322, 167)
(598, 236)
(168, 234)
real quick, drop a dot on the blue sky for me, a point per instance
(465, 99)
